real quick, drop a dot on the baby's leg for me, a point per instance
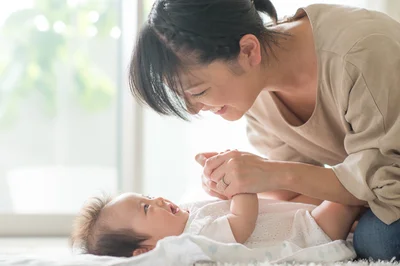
(335, 219)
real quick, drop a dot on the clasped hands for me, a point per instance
(232, 172)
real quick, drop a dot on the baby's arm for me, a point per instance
(243, 216)
(335, 219)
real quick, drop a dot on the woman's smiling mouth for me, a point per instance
(219, 110)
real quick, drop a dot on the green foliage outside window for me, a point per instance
(39, 42)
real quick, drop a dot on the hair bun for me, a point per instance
(266, 6)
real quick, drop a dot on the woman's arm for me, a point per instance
(316, 182)
(249, 173)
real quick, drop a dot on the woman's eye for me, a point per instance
(146, 207)
(200, 94)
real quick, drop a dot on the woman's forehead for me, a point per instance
(189, 79)
(196, 75)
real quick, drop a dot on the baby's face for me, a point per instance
(153, 217)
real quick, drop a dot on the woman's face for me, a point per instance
(226, 90)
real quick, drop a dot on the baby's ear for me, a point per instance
(141, 250)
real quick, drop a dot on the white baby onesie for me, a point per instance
(277, 221)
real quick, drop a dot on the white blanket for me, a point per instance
(188, 249)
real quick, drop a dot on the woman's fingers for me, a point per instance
(212, 190)
(215, 170)
(216, 161)
(233, 172)
(219, 173)
(201, 158)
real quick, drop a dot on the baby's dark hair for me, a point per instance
(91, 235)
(180, 33)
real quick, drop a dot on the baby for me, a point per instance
(132, 224)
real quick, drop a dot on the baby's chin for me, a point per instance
(186, 214)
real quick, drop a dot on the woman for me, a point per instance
(320, 88)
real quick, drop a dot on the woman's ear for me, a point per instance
(142, 250)
(250, 49)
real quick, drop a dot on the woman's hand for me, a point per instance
(209, 186)
(239, 172)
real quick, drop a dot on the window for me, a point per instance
(61, 109)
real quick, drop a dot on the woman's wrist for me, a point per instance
(285, 181)
(283, 174)
(294, 175)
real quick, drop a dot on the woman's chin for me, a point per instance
(232, 116)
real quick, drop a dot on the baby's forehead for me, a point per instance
(120, 209)
(123, 200)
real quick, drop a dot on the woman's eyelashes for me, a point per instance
(200, 94)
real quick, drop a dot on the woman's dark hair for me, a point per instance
(182, 32)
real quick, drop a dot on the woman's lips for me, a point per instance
(222, 110)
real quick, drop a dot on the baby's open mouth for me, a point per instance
(174, 209)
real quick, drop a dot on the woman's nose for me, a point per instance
(206, 108)
(194, 109)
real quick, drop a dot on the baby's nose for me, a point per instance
(160, 202)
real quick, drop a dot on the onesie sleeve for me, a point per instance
(371, 172)
(219, 230)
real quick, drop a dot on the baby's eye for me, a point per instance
(146, 207)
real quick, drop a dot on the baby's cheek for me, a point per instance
(171, 227)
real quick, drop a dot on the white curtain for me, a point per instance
(393, 8)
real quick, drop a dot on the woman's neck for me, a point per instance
(294, 66)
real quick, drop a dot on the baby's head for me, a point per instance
(127, 225)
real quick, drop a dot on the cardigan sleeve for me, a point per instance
(371, 172)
